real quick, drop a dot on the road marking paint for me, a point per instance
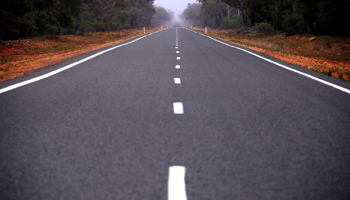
(287, 68)
(178, 108)
(177, 80)
(176, 183)
(36, 79)
(177, 67)
(176, 47)
(179, 58)
(177, 51)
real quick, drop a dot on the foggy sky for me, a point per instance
(178, 6)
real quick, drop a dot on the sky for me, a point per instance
(178, 6)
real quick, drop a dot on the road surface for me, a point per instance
(111, 127)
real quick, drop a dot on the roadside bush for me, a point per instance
(100, 26)
(51, 30)
(127, 26)
(263, 27)
(233, 22)
(293, 24)
(85, 26)
(8, 26)
(28, 26)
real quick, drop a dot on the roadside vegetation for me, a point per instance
(312, 34)
(21, 19)
(324, 54)
(35, 34)
(19, 57)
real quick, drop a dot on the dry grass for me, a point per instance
(324, 54)
(18, 57)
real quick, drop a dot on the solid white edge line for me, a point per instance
(177, 80)
(20, 84)
(176, 183)
(287, 68)
(178, 108)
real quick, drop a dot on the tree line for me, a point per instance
(318, 17)
(29, 18)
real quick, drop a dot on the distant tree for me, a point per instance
(162, 16)
(141, 12)
(241, 5)
(171, 14)
(212, 10)
(191, 13)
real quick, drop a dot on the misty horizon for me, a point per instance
(177, 6)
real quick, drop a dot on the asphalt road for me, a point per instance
(106, 128)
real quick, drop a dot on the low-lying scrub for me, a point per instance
(18, 57)
(324, 54)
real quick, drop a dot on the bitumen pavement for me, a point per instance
(107, 128)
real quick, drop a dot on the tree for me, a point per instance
(161, 16)
(191, 14)
(241, 5)
(141, 11)
(213, 10)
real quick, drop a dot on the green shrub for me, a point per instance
(233, 22)
(263, 27)
(100, 26)
(293, 24)
(51, 30)
(85, 26)
(8, 26)
(127, 26)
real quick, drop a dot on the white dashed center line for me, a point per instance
(178, 108)
(179, 58)
(176, 183)
(177, 51)
(177, 80)
(177, 67)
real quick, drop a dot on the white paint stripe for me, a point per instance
(179, 58)
(17, 85)
(178, 108)
(177, 51)
(288, 68)
(177, 80)
(176, 183)
(177, 67)
(176, 47)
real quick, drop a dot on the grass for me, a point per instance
(18, 57)
(324, 54)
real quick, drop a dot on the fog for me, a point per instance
(178, 6)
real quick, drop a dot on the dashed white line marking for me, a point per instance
(176, 47)
(179, 58)
(176, 183)
(177, 67)
(177, 51)
(178, 108)
(177, 80)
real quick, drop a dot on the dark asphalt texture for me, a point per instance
(105, 129)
